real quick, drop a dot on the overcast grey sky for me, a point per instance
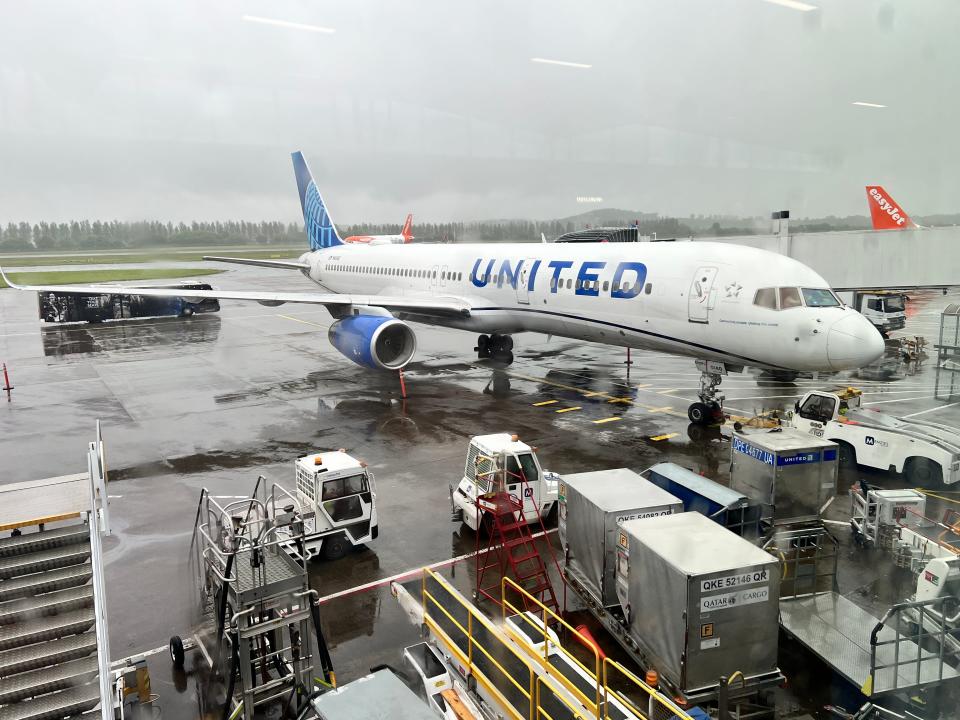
(174, 109)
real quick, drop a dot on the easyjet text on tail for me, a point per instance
(884, 212)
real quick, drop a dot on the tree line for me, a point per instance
(118, 235)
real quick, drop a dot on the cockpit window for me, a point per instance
(789, 298)
(819, 297)
(766, 297)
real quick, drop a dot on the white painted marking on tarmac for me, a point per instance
(933, 409)
(919, 397)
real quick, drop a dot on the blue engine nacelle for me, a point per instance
(372, 341)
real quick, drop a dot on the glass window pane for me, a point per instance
(766, 297)
(819, 297)
(789, 298)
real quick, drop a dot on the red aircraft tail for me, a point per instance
(884, 212)
(407, 231)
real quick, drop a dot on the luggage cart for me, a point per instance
(254, 591)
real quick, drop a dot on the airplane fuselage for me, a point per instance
(695, 299)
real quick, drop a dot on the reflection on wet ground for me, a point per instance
(216, 400)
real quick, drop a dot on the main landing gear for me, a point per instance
(495, 347)
(709, 411)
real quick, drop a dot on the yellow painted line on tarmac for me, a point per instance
(624, 400)
(615, 418)
(657, 438)
(569, 409)
(591, 393)
(939, 497)
(305, 322)
(660, 409)
(545, 402)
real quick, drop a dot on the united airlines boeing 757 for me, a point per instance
(728, 306)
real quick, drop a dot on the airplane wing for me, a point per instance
(421, 306)
(281, 264)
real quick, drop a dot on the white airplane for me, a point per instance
(728, 306)
(405, 236)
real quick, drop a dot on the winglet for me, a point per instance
(9, 282)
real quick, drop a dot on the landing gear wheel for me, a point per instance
(176, 651)
(504, 343)
(335, 547)
(483, 346)
(700, 413)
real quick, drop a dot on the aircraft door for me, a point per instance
(702, 295)
(523, 281)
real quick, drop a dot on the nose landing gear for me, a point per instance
(709, 411)
(495, 347)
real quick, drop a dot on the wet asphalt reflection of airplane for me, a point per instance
(728, 306)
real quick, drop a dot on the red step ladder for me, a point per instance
(511, 551)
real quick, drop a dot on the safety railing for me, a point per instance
(808, 558)
(912, 665)
(98, 521)
(632, 695)
(504, 674)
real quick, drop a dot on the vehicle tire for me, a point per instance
(923, 472)
(176, 651)
(700, 413)
(335, 547)
(847, 456)
(504, 343)
(483, 346)
(186, 312)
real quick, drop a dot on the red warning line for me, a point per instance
(410, 573)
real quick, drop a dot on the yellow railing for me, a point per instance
(657, 704)
(484, 661)
(548, 617)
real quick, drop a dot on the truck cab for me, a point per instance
(338, 499)
(927, 453)
(501, 462)
(885, 310)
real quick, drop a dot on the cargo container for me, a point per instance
(699, 601)
(592, 505)
(791, 475)
(699, 494)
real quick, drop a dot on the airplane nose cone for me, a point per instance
(853, 342)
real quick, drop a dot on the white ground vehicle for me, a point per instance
(502, 458)
(886, 310)
(339, 502)
(926, 453)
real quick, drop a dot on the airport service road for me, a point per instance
(216, 400)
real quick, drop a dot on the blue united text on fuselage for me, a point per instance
(627, 281)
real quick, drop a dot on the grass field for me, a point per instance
(72, 277)
(108, 258)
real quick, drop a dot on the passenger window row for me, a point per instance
(396, 272)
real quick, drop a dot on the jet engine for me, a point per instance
(375, 342)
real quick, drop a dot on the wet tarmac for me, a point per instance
(216, 400)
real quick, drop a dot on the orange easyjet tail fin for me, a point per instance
(407, 231)
(884, 212)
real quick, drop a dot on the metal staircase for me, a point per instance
(54, 655)
(511, 552)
